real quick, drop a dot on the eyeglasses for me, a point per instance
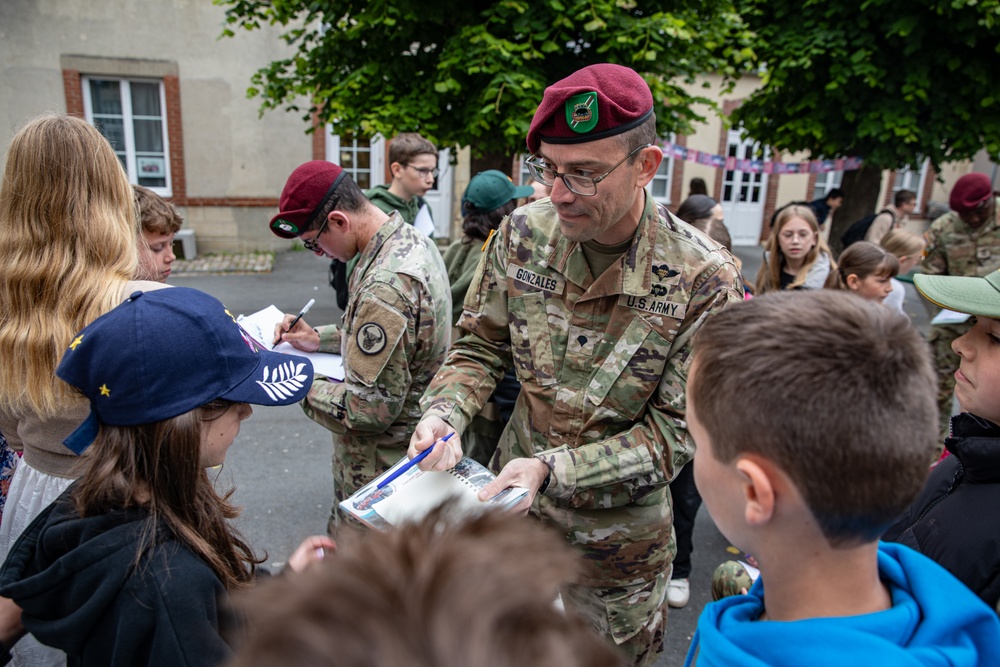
(312, 245)
(580, 185)
(425, 172)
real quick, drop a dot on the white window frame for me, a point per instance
(904, 181)
(665, 173)
(128, 120)
(376, 161)
(826, 181)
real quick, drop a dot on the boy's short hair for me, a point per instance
(836, 390)
(441, 591)
(408, 145)
(903, 197)
(156, 215)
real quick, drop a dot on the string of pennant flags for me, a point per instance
(759, 166)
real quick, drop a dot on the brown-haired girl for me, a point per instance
(865, 269)
(132, 564)
(796, 257)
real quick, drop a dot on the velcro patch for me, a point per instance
(553, 284)
(377, 329)
(650, 304)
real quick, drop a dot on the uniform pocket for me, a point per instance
(530, 339)
(631, 372)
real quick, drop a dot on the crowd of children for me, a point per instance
(121, 394)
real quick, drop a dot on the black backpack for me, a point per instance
(856, 232)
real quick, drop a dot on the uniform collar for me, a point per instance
(632, 274)
(374, 246)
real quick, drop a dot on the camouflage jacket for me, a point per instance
(955, 249)
(395, 335)
(603, 366)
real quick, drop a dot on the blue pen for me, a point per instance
(409, 464)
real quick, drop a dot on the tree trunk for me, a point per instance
(499, 161)
(861, 188)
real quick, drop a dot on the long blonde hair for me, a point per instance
(769, 277)
(68, 239)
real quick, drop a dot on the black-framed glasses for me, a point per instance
(312, 244)
(425, 172)
(584, 186)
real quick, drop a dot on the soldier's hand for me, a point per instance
(301, 336)
(526, 473)
(429, 433)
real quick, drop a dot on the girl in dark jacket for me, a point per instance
(954, 520)
(133, 563)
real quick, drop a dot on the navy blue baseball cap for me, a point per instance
(166, 352)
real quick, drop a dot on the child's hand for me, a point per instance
(310, 551)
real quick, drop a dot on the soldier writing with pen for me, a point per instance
(396, 326)
(593, 296)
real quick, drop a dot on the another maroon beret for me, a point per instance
(969, 192)
(306, 190)
(592, 103)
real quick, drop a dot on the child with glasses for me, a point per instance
(796, 257)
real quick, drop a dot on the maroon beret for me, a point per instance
(306, 190)
(969, 192)
(592, 103)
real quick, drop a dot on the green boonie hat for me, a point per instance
(972, 295)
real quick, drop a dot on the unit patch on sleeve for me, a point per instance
(553, 284)
(377, 329)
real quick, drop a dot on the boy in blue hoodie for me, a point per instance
(813, 433)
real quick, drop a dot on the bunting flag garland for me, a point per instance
(759, 166)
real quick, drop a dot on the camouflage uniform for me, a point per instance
(603, 366)
(395, 335)
(955, 249)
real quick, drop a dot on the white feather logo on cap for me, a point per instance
(286, 380)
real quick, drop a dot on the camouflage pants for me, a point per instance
(480, 439)
(634, 617)
(945, 364)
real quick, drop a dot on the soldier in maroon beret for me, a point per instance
(593, 295)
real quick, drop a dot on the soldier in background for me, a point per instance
(396, 327)
(965, 241)
(593, 296)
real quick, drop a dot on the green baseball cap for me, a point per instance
(491, 189)
(972, 295)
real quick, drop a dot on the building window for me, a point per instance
(825, 182)
(907, 179)
(663, 180)
(130, 114)
(355, 158)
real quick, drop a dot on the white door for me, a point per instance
(439, 197)
(743, 192)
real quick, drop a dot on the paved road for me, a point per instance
(280, 462)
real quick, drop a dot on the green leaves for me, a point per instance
(892, 80)
(472, 72)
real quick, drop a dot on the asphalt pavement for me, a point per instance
(280, 462)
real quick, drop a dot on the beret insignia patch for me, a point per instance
(581, 112)
(371, 338)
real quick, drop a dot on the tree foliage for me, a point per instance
(895, 81)
(892, 81)
(472, 72)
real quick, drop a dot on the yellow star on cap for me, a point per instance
(230, 315)
(104, 390)
(76, 341)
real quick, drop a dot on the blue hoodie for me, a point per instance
(934, 620)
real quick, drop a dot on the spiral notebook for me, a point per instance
(412, 495)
